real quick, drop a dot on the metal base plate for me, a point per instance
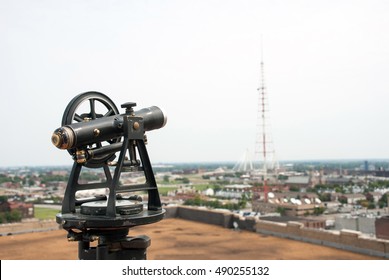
(82, 222)
(123, 207)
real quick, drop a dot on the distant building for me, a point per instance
(364, 224)
(215, 173)
(299, 210)
(308, 223)
(292, 203)
(233, 191)
(59, 172)
(382, 227)
(298, 181)
(209, 192)
(290, 209)
(376, 196)
(26, 209)
(337, 180)
(354, 198)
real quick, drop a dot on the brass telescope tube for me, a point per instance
(103, 129)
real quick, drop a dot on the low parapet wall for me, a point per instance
(215, 217)
(26, 227)
(344, 239)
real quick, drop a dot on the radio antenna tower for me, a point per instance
(264, 143)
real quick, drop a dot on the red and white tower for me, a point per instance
(264, 147)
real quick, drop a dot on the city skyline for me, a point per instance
(325, 66)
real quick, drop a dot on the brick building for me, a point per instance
(26, 209)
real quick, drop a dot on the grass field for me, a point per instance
(42, 213)
(163, 189)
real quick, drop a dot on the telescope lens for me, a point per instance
(56, 140)
(63, 138)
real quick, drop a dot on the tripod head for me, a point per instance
(93, 138)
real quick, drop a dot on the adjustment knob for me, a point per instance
(129, 107)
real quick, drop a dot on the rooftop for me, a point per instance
(178, 239)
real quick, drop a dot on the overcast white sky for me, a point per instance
(326, 69)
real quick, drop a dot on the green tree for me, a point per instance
(325, 197)
(89, 176)
(44, 178)
(15, 216)
(318, 211)
(371, 205)
(343, 199)
(383, 200)
(339, 189)
(216, 188)
(283, 177)
(381, 204)
(320, 188)
(10, 216)
(281, 210)
(166, 178)
(294, 189)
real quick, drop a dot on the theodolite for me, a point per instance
(93, 139)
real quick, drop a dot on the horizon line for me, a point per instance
(212, 162)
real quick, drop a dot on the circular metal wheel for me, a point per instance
(89, 106)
